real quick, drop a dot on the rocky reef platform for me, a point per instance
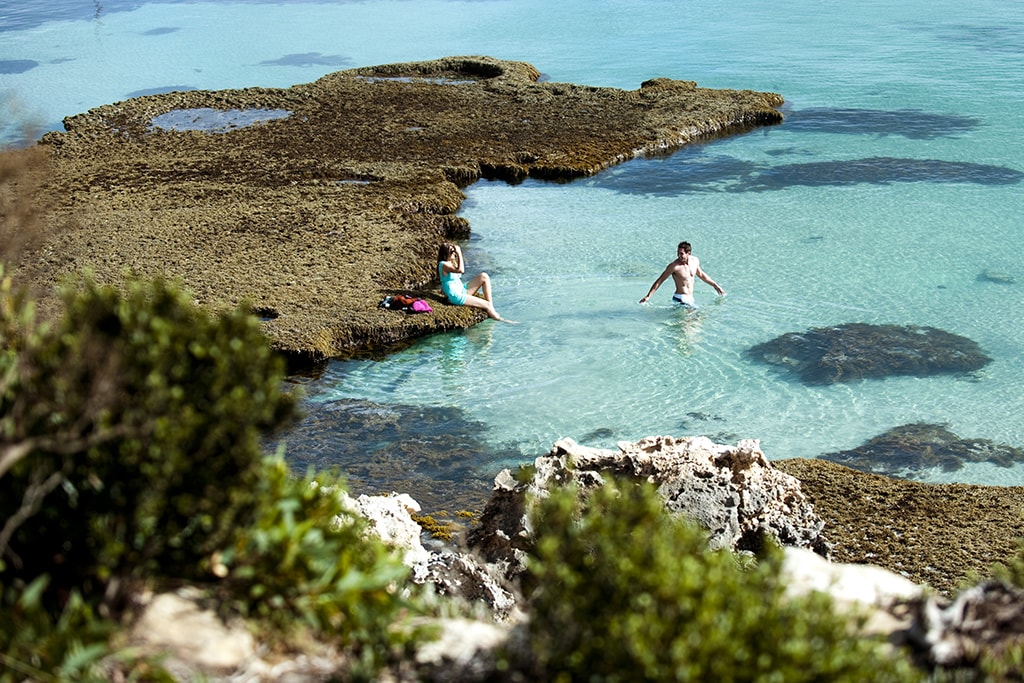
(312, 203)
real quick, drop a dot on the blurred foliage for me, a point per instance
(1012, 571)
(40, 646)
(1008, 664)
(1004, 667)
(307, 561)
(129, 432)
(622, 591)
(131, 437)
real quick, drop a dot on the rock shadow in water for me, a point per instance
(909, 123)
(17, 66)
(160, 90)
(308, 59)
(855, 351)
(687, 171)
(875, 171)
(434, 454)
(904, 452)
(693, 173)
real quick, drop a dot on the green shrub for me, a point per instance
(622, 591)
(39, 646)
(306, 562)
(1010, 572)
(1006, 664)
(130, 434)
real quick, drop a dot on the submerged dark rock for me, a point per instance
(698, 171)
(854, 351)
(910, 123)
(433, 453)
(905, 451)
(877, 171)
(999, 277)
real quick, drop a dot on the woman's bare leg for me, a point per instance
(477, 302)
(481, 281)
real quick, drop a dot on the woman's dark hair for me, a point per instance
(444, 251)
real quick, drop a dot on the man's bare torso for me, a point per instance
(683, 273)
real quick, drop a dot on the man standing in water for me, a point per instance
(683, 270)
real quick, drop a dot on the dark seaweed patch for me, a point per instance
(908, 450)
(910, 123)
(308, 59)
(855, 351)
(432, 453)
(999, 277)
(599, 434)
(1002, 39)
(160, 90)
(694, 173)
(18, 15)
(17, 66)
(876, 171)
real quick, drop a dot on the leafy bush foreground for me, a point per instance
(625, 592)
(131, 434)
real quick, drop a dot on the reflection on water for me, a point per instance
(215, 120)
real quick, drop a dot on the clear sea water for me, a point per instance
(891, 188)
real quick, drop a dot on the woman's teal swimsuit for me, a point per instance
(452, 285)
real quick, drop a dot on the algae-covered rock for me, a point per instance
(854, 351)
(935, 534)
(909, 450)
(432, 453)
(312, 203)
(999, 277)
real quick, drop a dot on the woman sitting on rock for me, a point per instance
(450, 267)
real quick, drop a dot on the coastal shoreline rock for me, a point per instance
(732, 491)
(311, 218)
(936, 535)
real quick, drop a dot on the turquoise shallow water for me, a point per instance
(894, 183)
